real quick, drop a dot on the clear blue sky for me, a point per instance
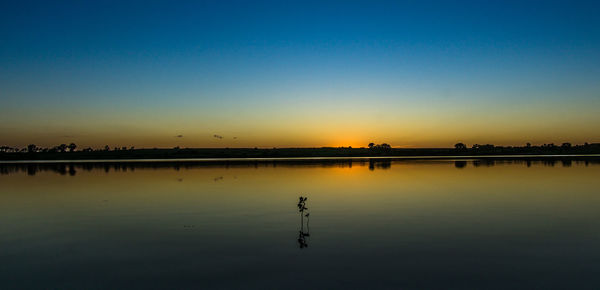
(410, 73)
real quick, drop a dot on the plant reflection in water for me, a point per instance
(302, 235)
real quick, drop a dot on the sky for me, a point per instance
(298, 73)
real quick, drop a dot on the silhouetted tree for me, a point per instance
(31, 148)
(460, 146)
(385, 146)
(380, 147)
(62, 147)
(72, 147)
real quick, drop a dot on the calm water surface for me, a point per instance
(379, 224)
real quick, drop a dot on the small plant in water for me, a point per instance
(302, 204)
(303, 213)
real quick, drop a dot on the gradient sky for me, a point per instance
(286, 74)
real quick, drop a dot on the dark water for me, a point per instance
(379, 224)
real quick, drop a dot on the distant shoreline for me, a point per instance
(256, 154)
(314, 159)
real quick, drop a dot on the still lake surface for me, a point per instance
(483, 224)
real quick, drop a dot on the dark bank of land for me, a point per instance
(371, 151)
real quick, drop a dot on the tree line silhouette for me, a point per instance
(73, 152)
(62, 148)
(549, 148)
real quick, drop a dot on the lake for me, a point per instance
(373, 223)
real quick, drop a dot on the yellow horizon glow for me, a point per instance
(400, 126)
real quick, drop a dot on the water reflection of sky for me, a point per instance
(386, 223)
